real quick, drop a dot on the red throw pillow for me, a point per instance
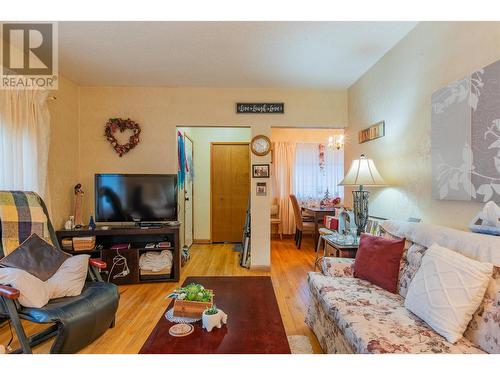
(378, 260)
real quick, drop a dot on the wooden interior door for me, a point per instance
(230, 189)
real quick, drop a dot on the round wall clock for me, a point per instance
(260, 145)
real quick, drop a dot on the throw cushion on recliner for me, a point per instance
(68, 281)
(36, 257)
(70, 278)
(33, 291)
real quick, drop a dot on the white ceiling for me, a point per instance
(224, 54)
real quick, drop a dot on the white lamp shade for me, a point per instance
(363, 172)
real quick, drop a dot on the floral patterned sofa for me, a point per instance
(350, 315)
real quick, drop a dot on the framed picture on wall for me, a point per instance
(260, 170)
(261, 189)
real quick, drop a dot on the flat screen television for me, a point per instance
(135, 197)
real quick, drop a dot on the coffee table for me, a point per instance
(254, 322)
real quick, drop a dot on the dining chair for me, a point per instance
(301, 226)
(276, 219)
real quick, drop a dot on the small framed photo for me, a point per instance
(373, 225)
(261, 189)
(260, 171)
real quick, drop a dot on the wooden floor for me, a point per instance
(141, 306)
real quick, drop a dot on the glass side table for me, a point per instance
(343, 246)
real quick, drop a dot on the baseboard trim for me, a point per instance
(202, 241)
(261, 268)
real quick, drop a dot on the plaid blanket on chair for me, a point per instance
(21, 215)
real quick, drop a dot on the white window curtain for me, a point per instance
(316, 173)
(24, 140)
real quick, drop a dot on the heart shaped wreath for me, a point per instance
(115, 124)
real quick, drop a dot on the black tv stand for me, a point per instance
(138, 238)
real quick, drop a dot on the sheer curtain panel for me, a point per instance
(284, 160)
(24, 140)
(318, 168)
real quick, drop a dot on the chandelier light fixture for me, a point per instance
(336, 141)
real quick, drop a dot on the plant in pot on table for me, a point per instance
(191, 300)
(194, 302)
(213, 317)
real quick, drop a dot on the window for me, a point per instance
(318, 169)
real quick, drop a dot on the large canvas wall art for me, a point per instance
(465, 138)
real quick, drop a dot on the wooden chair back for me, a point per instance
(296, 212)
(275, 210)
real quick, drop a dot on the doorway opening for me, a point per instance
(214, 196)
(308, 164)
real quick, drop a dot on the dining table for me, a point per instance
(317, 213)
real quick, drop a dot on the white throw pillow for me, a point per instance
(447, 289)
(33, 291)
(70, 278)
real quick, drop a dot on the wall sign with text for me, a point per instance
(373, 132)
(255, 108)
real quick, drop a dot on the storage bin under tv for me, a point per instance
(138, 238)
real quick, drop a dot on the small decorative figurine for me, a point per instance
(78, 205)
(68, 225)
(92, 223)
(213, 317)
(487, 221)
(346, 221)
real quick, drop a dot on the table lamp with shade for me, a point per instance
(362, 173)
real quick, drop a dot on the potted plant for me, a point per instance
(213, 317)
(191, 300)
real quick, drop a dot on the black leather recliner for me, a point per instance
(75, 321)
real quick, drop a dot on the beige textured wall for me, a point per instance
(160, 110)
(295, 135)
(63, 163)
(398, 90)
